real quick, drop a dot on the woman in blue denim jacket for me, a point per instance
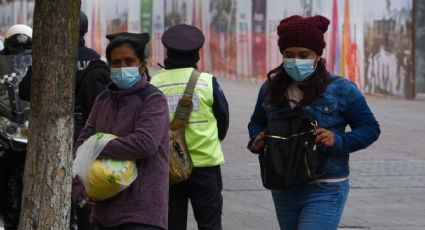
(332, 101)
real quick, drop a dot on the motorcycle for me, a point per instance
(14, 114)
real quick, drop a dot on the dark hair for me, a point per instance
(139, 47)
(311, 88)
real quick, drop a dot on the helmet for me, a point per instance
(18, 38)
(84, 23)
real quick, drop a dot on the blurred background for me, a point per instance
(379, 44)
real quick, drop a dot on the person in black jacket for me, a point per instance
(85, 56)
(93, 81)
(18, 41)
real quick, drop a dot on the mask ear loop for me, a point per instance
(317, 62)
(140, 65)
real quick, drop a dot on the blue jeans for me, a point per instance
(310, 206)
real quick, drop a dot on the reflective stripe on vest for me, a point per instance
(201, 131)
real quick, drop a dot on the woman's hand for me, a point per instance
(258, 143)
(79, 194)
(324, 137)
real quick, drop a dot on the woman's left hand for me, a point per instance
(325, 137)
(79, 194)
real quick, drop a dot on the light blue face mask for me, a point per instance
(299, 69)
(125, 77)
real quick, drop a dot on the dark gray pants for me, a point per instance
(203, 189)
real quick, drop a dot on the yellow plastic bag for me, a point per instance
(109, 177)
(102, 178)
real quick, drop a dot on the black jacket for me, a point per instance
(85, 55)
(93, 81)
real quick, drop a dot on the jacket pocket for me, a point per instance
(270, 109)
(326, 113)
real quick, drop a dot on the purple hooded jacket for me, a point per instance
(142, 130)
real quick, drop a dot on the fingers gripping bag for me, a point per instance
(102, 178)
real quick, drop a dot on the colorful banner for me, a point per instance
(420, 48)
(243, 41)
(388, 48)
(222, 37)
(157, 52)
(333, 43)
(368, 42)
(259, 25)
(146, 15)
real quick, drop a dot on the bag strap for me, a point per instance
(147, 91)
(184, 107)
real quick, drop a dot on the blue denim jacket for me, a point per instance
(340, 105)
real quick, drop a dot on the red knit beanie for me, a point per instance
(297, 31)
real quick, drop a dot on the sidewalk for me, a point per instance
(387, 180)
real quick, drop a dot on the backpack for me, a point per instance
(180, 161)
(290, 156)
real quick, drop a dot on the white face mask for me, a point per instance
(299, 69)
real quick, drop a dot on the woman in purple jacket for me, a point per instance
(137, 113)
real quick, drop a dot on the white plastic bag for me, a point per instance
(102, 178)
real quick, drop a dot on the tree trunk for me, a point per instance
(47, 178)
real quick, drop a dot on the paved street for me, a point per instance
(387, 180)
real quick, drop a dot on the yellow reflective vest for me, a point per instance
(201, 130)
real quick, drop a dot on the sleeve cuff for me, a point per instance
(338, 144)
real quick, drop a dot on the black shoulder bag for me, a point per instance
(290, 156)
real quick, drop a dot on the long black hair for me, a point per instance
(312, 88)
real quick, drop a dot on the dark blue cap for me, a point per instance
(183, 38)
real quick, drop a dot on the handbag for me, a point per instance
(290, 156)
(180, 162)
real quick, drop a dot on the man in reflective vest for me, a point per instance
(207, 126)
